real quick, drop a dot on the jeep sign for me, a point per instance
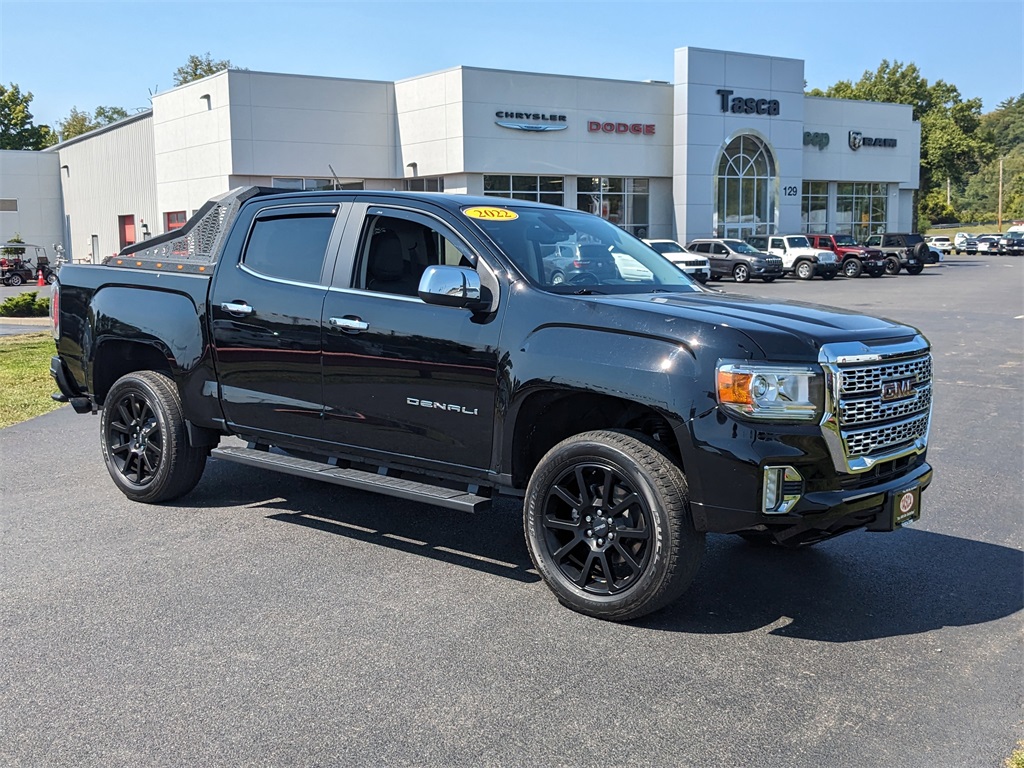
(816, 139)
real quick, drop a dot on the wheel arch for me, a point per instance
(546, 417)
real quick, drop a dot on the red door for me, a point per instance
(126, 230)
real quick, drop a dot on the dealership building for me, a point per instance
(731, 148)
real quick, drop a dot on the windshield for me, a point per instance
(798, 242)
(667, 246)
(845, 240)
(740, 247)
(568, 251)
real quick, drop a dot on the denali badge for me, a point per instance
(441, 406)
(897, 390)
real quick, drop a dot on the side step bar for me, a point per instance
(356, 478)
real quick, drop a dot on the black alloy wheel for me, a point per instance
(852, 267)
(741, 273)
(144, 439)
(608, 525)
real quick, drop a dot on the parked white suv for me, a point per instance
(798, 256)
(693, 264)
(940, 242)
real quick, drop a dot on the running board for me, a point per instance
(356, 478)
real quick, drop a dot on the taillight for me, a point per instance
(578, 263)
(55, 309)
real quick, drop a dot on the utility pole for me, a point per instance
(999, 225)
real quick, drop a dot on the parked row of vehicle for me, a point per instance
(768, 257)
(1009, 243)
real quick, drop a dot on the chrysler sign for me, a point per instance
(530, 121)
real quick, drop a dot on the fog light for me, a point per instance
(783, 487)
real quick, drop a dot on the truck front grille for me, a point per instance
(879, 402)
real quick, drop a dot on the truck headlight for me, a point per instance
(766, 391)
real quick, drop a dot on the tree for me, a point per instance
(78, 122)
(952, 144)
(16, 128)
(198, 67)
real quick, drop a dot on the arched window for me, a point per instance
(746, 189)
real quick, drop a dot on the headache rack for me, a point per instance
(194, 247)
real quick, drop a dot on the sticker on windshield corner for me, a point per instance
(491, 214)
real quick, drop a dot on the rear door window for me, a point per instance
(290, 243)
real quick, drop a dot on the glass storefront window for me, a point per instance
(861, 209)
(623, 201)
(745, 203)
(814, 207)
(428, 184)
(541, 189)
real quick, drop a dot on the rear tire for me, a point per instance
(916, 269)
(15, 280)
(144, 440)
(608, 525)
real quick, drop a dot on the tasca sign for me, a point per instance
(740, 105)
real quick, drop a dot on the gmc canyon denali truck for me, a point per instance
(410, 344)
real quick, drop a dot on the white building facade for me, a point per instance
(732, 148)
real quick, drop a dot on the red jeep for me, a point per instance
(855, 259)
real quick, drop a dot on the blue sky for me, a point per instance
(87, 54)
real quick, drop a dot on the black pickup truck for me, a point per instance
(418, 345)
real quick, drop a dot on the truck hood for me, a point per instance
(784, 331)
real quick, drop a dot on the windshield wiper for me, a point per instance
(586, 292)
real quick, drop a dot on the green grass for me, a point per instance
(25, 383)
(980, 229)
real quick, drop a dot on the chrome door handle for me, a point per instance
(348, 324)
(236, 308)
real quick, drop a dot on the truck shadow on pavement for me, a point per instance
(860, 586)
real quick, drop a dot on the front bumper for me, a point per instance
(819, 514)
(765, 270)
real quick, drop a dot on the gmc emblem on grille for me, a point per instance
(897, 390)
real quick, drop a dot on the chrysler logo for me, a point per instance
(856, 140)
(531, 126)
(897, 390)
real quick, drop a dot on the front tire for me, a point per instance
(15, 280)
(852, 267)
(741, 273)
(916, 269)
(144, 440)
(804, 270)
(892, 265)
(608, 525)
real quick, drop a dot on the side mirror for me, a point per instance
(450, 287)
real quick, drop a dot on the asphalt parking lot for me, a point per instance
(265, 620)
